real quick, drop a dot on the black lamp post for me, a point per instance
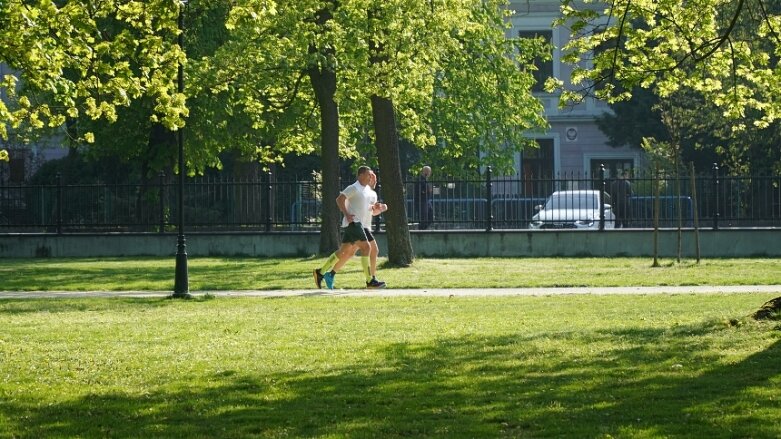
(181, 283)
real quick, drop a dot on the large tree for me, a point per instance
(322, 74)
(281, 69)
(89, 57)
(724, 51)
(87, 61)
(397, 68)
(135, 131)
(285, 75)
(409, 61)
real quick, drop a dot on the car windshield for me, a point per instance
(573, 201)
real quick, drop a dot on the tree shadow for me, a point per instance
(472, 386)
(65, 304)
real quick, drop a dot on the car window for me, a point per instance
(572, 201)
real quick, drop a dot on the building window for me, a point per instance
(544, 67)
(537, 166)
(613, 167)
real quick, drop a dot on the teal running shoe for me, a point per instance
(329, 280)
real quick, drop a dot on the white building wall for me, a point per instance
(577, 139)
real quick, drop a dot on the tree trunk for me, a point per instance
(695, 213)
(323, 81)
(679, 205)
(656, 216)
(770, 309)
(387, 141)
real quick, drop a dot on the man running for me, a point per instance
(358, 203)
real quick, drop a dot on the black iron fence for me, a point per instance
(484, 203)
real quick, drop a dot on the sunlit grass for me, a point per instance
(271, 273)
(558, 366)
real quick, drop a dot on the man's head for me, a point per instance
(426, 171)
(364, 175)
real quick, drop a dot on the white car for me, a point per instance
(572, 210)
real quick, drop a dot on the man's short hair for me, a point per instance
(363, 169)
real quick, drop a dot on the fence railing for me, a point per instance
(484, 203)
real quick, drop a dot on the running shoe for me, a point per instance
(318, 278)
(374, 283)
(329, 280)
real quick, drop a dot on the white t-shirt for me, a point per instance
(372, 198)
(359, 202)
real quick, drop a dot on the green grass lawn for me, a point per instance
(557, 366)
(208, 274)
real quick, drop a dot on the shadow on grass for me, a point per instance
(472, 386)
(107, 277)
(59, 305)
(113, 274)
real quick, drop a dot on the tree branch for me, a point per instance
(767, 20)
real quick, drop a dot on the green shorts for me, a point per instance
(354, 232)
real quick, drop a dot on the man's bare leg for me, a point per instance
(345, 252)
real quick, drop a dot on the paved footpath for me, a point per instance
(434, 292)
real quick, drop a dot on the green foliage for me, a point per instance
(109, 69)
(726, 51)
(89, 58)
(482, 113)
(266, 105)
(422, 48)
(138, 136)
(722, 112)
(76, 168)
(705, 136)
(460, 117)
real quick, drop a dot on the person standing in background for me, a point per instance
(621, 192)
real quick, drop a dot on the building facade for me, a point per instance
(573, 145)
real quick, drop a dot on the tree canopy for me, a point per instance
(725, 50)
(89, 58)
(115, 61)
(405, 57)
(424, 48)
(706, 135)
